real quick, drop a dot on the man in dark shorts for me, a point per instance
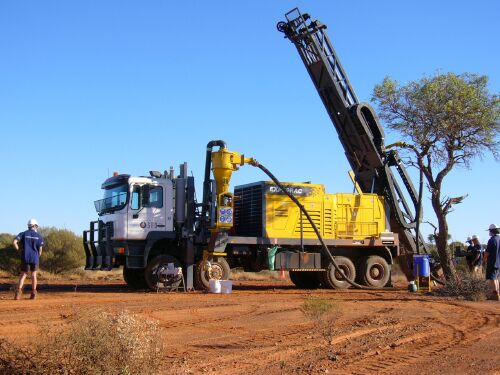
(492, 260)
(31, 243)
(476, 254)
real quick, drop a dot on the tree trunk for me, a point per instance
(442, 238)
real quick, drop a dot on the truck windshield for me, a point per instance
(115, 198)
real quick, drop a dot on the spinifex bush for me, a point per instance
(100, 343)
(465, 285)
(317, 308)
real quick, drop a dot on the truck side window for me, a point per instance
(135, 199)
(156, 197)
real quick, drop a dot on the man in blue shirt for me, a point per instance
(31, 243)
(492, 260)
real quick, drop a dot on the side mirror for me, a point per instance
(145, 195)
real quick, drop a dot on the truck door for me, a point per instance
(147, 212)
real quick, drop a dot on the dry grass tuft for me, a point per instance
(324, 314)
(81, 274)
(239, 275)
(97, 343)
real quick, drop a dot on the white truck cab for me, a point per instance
(136, 206)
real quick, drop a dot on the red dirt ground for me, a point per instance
(260, 329)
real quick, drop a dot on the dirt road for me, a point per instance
(260, 328)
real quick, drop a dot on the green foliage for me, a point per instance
(62, 251)
(443, 113)
(9, 257)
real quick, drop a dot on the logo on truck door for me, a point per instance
(149, 225)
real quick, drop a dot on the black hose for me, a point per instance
(325, 249)
(206, 181)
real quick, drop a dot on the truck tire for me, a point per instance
(333, 279)
(134, 277)
(305, 279)
(220, 270)
(150, 273)
(375, 271)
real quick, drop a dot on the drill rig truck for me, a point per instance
(147, 224)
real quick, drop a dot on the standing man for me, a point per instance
(492, 260)
(32, 244)
(476, 254)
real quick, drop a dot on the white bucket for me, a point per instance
(226, 286)
(214, 286)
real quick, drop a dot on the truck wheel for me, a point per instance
(305, 279)
(333, 279)
(219, 270)
(134, 277)
(154, 265)
(375, 271)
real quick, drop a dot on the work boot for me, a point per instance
(17, 295)
(33, 295)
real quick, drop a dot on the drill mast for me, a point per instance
(357, 125)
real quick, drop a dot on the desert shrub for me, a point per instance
(9, 257)
(63, 250)
(469, 286)
(99, 343)
(323, 314)
(461, 265)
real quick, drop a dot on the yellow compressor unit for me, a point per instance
(263, 210)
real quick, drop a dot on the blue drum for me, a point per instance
(421, 266)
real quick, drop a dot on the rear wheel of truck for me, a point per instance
(155, 265)
(375, 271)
(218, 270)
(134, 277)
(305, 279)
(334, 279)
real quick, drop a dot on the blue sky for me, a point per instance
(92, 87)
